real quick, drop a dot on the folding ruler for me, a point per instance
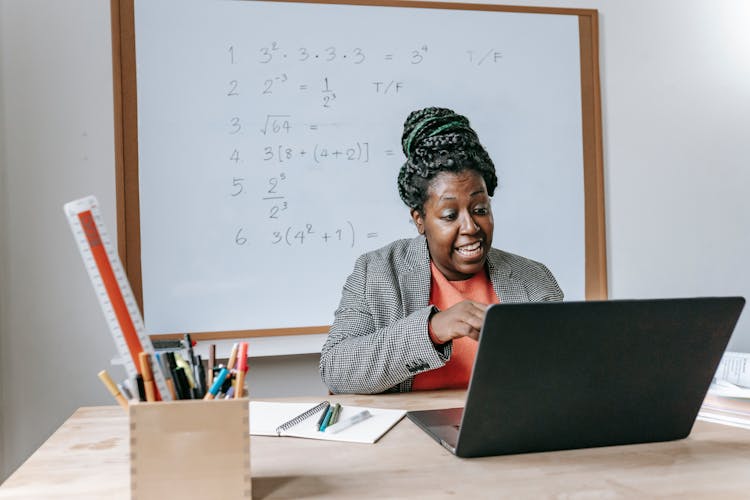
(112, 288)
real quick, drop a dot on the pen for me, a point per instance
(214, 390)
(335, 414)
(345, 424)
(326, 419)
(110, 385)
(148, 376)
(322, 416)
(239, 389)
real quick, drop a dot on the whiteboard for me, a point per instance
(269, 145)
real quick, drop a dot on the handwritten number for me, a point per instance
(237, 182)
(236, 127)
(359, 55)
(233, 88)
(239, 239)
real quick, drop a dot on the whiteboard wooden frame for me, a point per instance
(126, 146)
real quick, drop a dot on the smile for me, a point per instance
(471, 250)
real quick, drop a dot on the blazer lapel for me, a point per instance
(507, 287)
(414, 278)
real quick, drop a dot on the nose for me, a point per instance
(468, 224)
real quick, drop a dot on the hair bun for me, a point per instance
(429, 122)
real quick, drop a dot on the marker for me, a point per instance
(214, 390)
(141, 387)
(148, 376)
(322, 416)
(326, 419)
(335, 414)
(345, 424)
(110, 385)
(241, 369)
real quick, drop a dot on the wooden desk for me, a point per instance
(88, 458)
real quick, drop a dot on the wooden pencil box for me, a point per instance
(190, 449)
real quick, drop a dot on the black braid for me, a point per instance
(439, 140)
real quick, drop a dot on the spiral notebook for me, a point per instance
(300, 420)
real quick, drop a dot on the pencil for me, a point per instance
(239, 387)
(232, 356)
(110, 385)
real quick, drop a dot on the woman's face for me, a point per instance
(457, 223)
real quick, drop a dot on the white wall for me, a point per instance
(676, 101)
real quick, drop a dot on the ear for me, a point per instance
(418, 220)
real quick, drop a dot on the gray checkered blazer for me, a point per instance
(379, 341)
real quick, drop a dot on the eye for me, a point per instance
(481, 210)
(448, 215)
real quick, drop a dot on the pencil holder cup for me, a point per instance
(190, 449)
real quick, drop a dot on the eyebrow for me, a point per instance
(451, 197)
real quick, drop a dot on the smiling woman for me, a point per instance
(411, 312)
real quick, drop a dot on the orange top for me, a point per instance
(456, 372)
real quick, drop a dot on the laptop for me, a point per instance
(565, 375)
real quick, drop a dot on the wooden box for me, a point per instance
(190, 449)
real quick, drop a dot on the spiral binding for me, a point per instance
(299, 418)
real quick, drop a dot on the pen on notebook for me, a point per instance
(214, 390)
(345, 424)
(335, 415)
(326, 419)
(239, 386)
(322, 415)
(148, 376)
(110, 385)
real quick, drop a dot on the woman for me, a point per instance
(410, 312)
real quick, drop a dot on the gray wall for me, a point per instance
(676, 114)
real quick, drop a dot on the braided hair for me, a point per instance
(439, 140)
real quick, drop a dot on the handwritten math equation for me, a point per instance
(284, 102)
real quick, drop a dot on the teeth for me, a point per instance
(470, 248)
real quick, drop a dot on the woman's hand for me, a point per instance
(461, 320)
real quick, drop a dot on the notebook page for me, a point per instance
(266, 416)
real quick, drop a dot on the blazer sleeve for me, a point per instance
(360, 356)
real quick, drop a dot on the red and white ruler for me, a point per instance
(112, 288)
